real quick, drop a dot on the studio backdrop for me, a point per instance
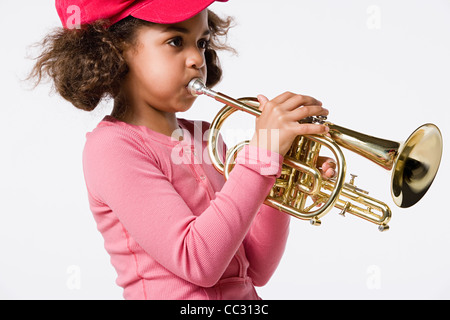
(381, 67)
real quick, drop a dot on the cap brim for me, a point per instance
(170, 11)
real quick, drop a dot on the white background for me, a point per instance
(381, 67)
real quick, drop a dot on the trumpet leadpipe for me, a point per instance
(196, 87)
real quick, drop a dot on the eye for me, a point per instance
(203, 44)
(176, 42)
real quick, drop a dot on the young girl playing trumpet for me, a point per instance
(174, 230)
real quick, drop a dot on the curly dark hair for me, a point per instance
(87, 64)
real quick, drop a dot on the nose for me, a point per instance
(195, 58)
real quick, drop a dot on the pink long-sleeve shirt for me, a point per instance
(173, 227)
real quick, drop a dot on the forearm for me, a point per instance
(266, 242)
(202, 251)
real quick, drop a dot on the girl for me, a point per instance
(174, 229)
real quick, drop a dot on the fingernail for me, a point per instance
(331, 173)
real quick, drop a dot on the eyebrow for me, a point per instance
(183, 30)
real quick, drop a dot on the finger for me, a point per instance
(325, 162)
(297, 100)
(307, 111)
(282, 97)
(262, 101)
(327, 167)
(328, 174)
(309, 128)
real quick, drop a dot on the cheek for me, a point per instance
(154, 73)
(146, 68)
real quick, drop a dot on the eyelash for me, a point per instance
(179, 40)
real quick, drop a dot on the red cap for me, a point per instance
(74, 13)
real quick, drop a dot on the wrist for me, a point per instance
(261, 160)
(268, 139)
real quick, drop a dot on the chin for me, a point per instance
(186, 105)
(184, 109)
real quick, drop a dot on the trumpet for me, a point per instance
(300, 190)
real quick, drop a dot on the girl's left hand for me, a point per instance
(327, 167)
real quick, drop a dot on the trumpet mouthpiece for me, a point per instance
(196, 87)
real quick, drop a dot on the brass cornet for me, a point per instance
(300, 190)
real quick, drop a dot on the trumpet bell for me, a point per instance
(413, 164)
(416, 165)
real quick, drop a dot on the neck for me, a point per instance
(145, 115)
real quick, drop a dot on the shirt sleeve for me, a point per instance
(265, 243)
(266, 240)
(121, 173)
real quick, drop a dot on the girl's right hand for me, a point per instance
(277, 126)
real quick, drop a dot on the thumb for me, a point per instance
(262, 101)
